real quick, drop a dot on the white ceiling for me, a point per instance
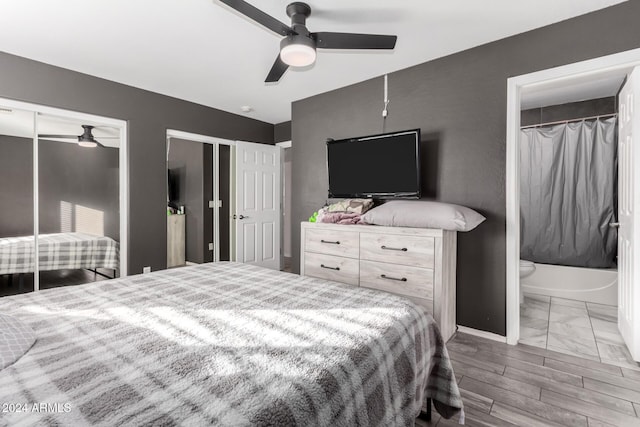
(201, 51)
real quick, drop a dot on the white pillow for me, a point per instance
(424, 214)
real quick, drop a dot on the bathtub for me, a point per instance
(599, 285)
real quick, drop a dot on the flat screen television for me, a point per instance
(172, 188)
(378, 166)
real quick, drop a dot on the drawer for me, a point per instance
(330, 267)
(416, 251)
(332, 242)
(398, 279)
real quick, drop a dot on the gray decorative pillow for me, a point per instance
(424, 214)
(16, 338)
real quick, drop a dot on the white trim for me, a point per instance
(123, 170)
(284, 144)
(123, 167)
(172, 133)
(513, 213)
(619, 62)
(482, 334)
(59, 112)
(36, 206)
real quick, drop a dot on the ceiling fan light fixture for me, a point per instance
(87, 143)
(86, 139)
(297, 51)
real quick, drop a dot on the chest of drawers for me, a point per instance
(417, 263)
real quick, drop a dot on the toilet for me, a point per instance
(527, 268)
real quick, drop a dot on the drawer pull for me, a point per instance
(329, 241)
(330, 268)
(384, 276)
(393, 249)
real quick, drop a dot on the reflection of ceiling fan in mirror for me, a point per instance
(85, 140)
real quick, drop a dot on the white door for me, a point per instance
(258, 210)
(629, 214)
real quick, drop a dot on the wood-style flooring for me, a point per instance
(288, 265)
(504, 385)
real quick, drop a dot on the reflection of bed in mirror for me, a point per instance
(58, 251)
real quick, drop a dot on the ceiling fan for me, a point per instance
(85, 140)
(298, 47)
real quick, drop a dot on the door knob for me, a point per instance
(242, 217)
(614, 224)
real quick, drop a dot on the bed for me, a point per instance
(226, 344)
(58, 251)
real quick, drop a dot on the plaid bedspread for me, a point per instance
(58, 251)
(224, 344)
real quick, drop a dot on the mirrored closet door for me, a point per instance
(78, 203)
(17, 240)
(198, 199)
(63, 213)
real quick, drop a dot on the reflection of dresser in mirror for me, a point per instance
(176, 241)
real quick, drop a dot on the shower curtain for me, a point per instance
(568, 193)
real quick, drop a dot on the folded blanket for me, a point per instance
(358, 206)
(339, 217)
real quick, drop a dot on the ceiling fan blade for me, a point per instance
(59, 136)
(260, 17)
(277, 70)
(354, 41)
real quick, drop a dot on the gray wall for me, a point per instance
(282, 132)
(16, 178)
(569, 111)
(459, 102)
(149, 115)
(68, 173)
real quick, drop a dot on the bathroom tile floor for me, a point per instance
(576, 328)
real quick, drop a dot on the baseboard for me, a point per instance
(482, 334)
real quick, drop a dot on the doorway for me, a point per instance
(246, 228)
(571, 81)
(568, 209)
(287, 157)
